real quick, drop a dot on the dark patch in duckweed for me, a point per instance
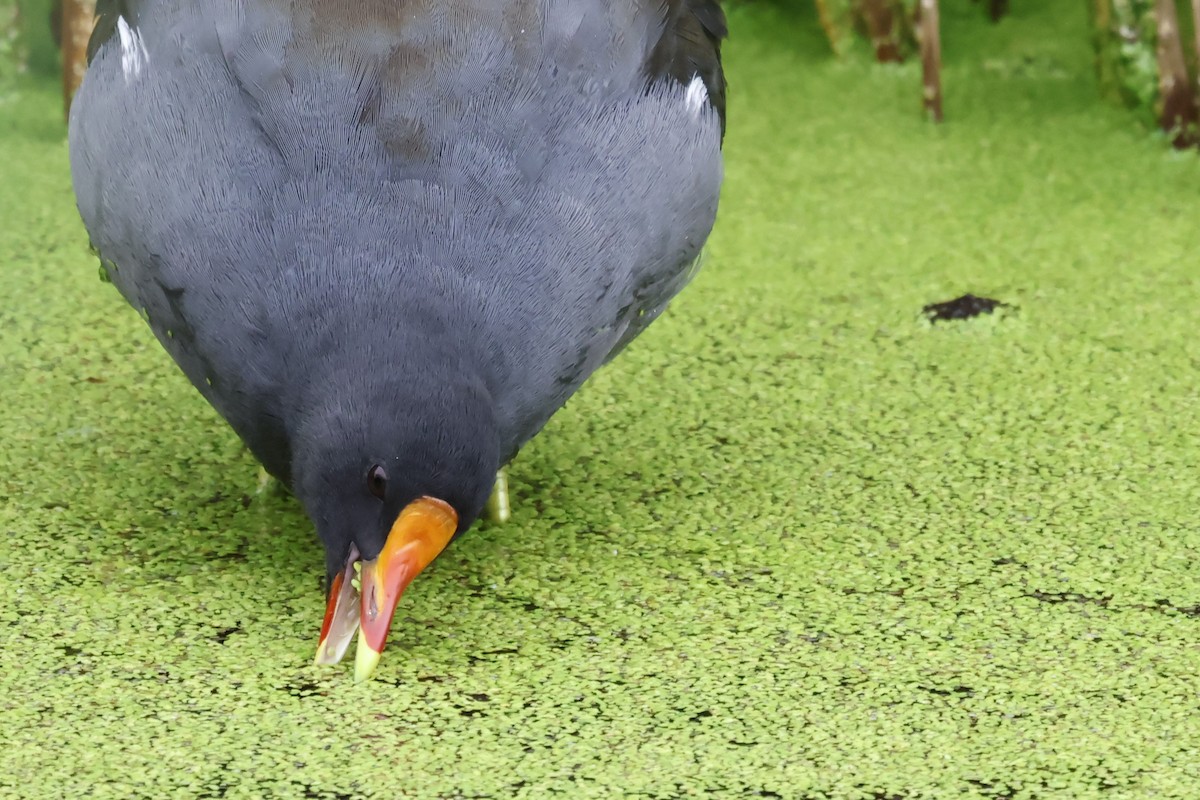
(1002, 790)
(1161, 605)
(503, 651)
(964, 691)
(897, 592)
(224, 633)
(1069, 597)
(1187, 611)
(301, 688)
(236, 554)
(310, 792)
(994, 791)
(863, 792)
(964, 307)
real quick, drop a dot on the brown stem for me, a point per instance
(56, 12)
(1179, 115)
(78, 17)
(998, 8)
(931, 58)
(830, 25)
(881, 26)
(10, 23)
(1196, 45)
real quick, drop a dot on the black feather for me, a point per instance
(107, 14)
(691, 46)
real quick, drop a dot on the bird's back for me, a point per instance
(270, 178)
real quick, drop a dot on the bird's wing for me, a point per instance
(108, 13)
(690, 47)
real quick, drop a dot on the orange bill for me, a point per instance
(421, 531)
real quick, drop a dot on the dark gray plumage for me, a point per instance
(397, 232)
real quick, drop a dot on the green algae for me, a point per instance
(797, 541)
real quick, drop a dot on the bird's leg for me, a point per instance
(497, 509)
(264, 481)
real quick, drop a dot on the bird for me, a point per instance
(388, 239)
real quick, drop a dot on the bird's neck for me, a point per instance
(420, 401)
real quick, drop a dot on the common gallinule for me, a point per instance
(388, 239)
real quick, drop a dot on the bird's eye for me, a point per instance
(377, 481)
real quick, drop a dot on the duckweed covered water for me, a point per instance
(798, 541)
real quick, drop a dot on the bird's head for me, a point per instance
(389, 472)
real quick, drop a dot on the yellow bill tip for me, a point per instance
(365, 661)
